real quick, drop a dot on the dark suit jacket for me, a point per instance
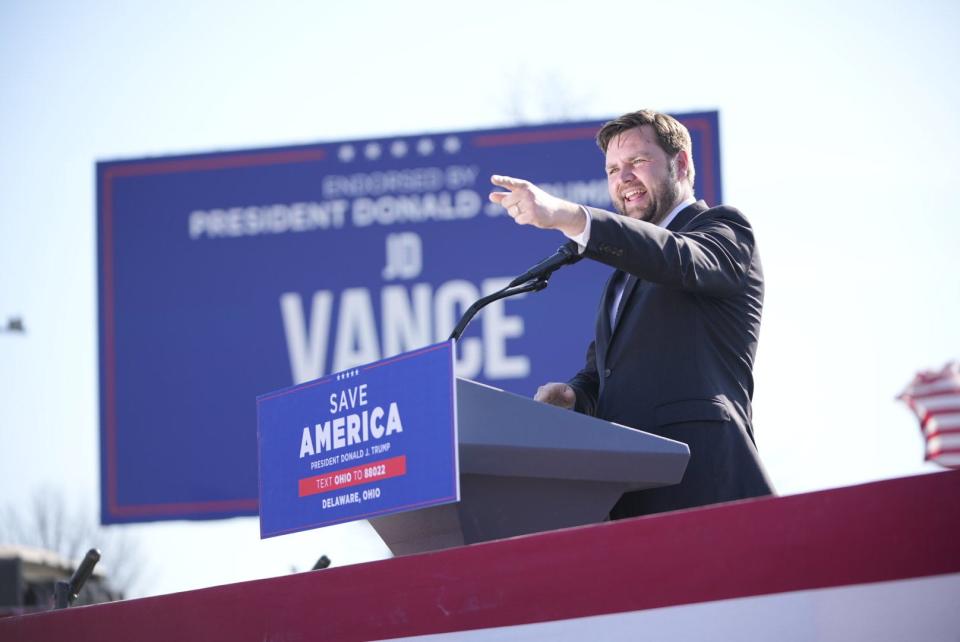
(679, 361)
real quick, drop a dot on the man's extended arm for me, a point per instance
(712, 257)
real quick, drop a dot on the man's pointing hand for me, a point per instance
(527, 204)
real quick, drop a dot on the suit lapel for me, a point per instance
(603, 332)
(628, 287)
(679, 222)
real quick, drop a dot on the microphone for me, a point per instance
(567, 254)
(65, 592)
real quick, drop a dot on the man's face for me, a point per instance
(641, 178)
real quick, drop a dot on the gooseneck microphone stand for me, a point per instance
(530, 286)
(533, 280)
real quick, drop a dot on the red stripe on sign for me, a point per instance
(363, 474)
(227, 161)
(527, 138)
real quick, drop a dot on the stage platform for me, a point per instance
(878, 561)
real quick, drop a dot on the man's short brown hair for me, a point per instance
(672, 136)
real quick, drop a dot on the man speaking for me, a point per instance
(679, 319)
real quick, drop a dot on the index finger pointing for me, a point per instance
(508, 182)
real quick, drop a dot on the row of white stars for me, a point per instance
(346, 374)
(398, 149)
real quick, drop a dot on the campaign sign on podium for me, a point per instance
(370, 441)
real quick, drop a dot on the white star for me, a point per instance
(425, 147)
(451, 144)
(346, 153)
(398, 149)
(372, 151)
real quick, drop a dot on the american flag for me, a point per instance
(934, 396)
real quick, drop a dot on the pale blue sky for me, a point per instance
(839, 139)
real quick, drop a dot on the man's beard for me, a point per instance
(661, 201)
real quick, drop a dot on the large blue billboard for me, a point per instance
(226, 275)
